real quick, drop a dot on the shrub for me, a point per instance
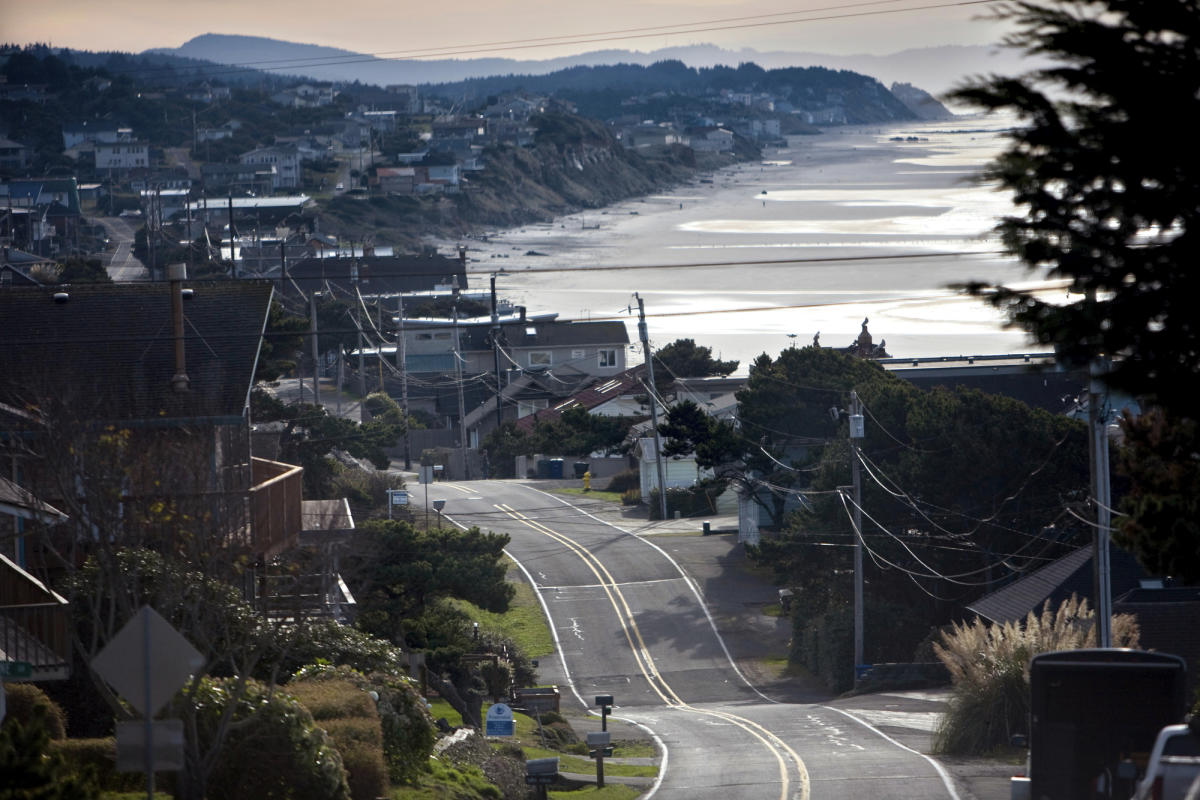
(97, 757)
(28, 768)
(335, 643)
(24, 700)
(989, 670)
(332, 699)
(274, 749)
(360, 741)
(624, 481)
(631, 497)
(407, 729)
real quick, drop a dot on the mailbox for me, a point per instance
(599, 739)
(542, 766)
(604, 699)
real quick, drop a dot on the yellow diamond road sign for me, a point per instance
(147, 661)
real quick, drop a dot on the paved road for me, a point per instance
(631, 623)
(123, 266)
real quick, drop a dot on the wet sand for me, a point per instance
(834, 228)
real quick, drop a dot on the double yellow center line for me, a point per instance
(641, 653)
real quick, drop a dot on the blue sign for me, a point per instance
(500, 721)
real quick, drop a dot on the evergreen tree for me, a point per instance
(1108, 196)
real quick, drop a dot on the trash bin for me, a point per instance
(556, 468)
(580, 468)
(543, 468)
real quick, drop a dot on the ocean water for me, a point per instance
(834, 229)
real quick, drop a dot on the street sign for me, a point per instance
(500, 721)
(399, 497)
(426, 473)
(148, 660)
(15, 670)
(166, 736)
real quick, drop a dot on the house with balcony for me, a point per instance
(283, 161)
(125, 408)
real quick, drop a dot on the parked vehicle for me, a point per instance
(1094, 716)
(1174, 765)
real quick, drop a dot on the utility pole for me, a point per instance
(362, 375)
(857, 430)
(644, 335)
(1102, 498)
(402, 365)
(462, 409)
(312, 328)
(496, 352)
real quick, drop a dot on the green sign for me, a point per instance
(16, 669)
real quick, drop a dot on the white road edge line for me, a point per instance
(941, 771)
(562, 659)
(687, 579)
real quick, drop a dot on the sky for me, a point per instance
(479, 28)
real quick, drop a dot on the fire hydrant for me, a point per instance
(587, 481)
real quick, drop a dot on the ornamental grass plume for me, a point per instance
(989, 671)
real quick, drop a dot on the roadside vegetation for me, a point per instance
(989, 671)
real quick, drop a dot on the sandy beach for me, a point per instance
(849, 224)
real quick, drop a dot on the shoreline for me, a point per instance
(812, 238)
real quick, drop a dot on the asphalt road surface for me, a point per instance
(629, 622)
(123, 266)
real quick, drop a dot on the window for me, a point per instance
(578, 354)
(608, 358)
(424, 337)
(539, 358)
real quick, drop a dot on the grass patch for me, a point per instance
(634, 748)
(773, 610)
(444, 782)
(594, 494)
(581, 765)
(440, 708)
(524, 622)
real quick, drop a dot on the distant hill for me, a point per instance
(934, 69)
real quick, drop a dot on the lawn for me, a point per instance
(524, 622)
(594, 494)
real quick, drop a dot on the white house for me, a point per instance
(285, 160)
(123, 155)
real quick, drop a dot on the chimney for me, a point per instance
(462, 256)
(176, 273)
(522, 310)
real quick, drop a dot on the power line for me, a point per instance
(726, 24)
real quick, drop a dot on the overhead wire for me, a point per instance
(564, 40)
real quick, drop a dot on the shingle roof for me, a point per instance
(544, 333)
(596, 394)
(1058, 580)
(380, 274)
(111, 348)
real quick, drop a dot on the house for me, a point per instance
(14, 156)
(153, 380)
(711, 140)
(121, 156)
(283, 161)
(236, 178)
(396, 180)
(42, 214)
(407, 98)
(18, 268)
(380, 275)
(306, 95)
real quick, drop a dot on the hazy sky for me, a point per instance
(467, 28)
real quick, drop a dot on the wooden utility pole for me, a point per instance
(644, 335)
